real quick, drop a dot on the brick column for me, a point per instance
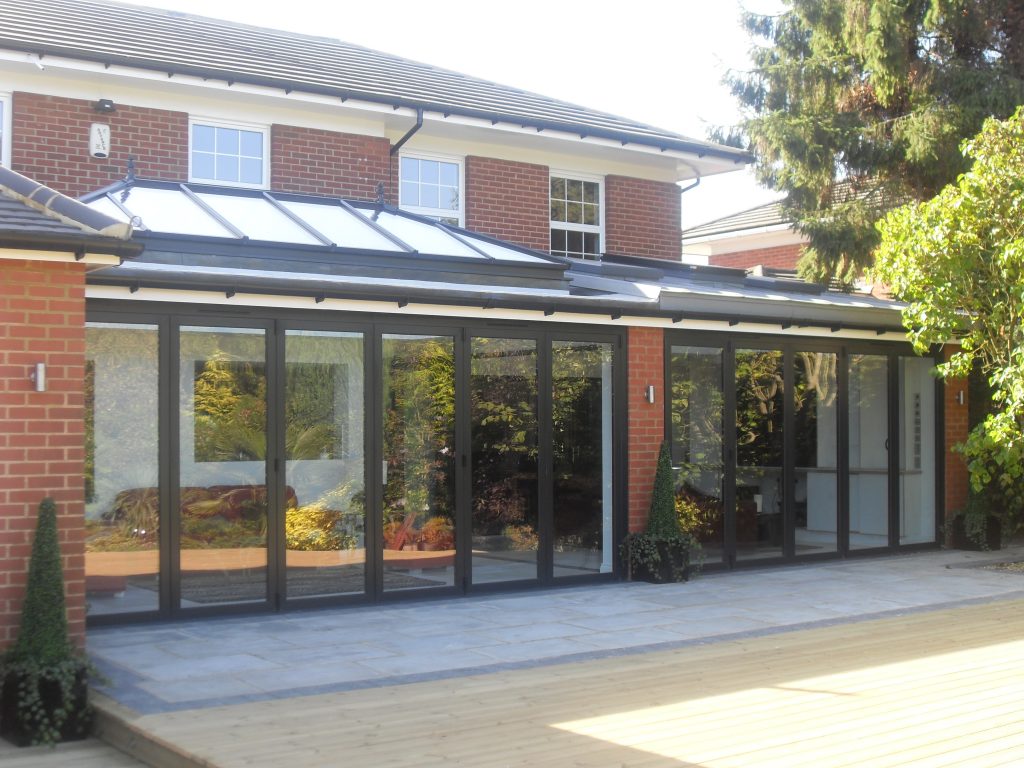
(42, 320)
(957, 426)
(646, 421)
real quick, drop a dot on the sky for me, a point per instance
(658, 62)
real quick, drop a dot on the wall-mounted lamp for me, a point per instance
(104, 106)
(960, 397)
(649, 394)
(38, 376)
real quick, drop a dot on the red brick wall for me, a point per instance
(50, 143)
(641, 218)
(780, 257)
(957, 427)
(42, 320)
(509, 200)
(646, 421)
(311, 161)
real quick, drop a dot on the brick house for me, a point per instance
(396, 331)
(756, 237)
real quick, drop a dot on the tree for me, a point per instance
(958, 260)
(857, 106)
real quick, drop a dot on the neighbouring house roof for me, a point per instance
(179, 43)
(37, 217)
(758, 217)
(235, 241)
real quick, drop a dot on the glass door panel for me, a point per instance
(869, 451)
(324, 497)
(223, 449)
(759, 453)
(122, 479)
(418, 515)
(503, 428)
(696, 428)
(582, 457)
(917, 450)
(816, 494)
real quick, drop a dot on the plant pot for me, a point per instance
(989, 538)
(74, 728)
(673, 564)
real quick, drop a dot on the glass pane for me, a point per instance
(759, 415)
(574, 213)
(574, 190)
(251, 144)
(590, 192)
(869, 451)
(591, 243)
(410, 193)
(917, 450)
(410, 169)
(696, 413)
(557, 189)
(816, 495)
(428, 196)
(325, 511)
(574, 243)
(223, 448)
(590, 215)
(449, 175)
(581, 374)
(250, 171)
(558, 241)
(558, 210)
(203, 138)
(418, 518)
(227, 141)
(503, 418)
(122, 494)
(448, 198)
(429, 171)
(227, 168)
(202, 165)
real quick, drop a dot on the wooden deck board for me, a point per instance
(941, 688)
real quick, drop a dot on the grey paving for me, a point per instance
(212, 662)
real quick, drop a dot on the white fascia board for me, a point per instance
(100, 259)
(774, 236)
(686, 165)
(413, 309)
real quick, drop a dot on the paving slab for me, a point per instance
(216, 661)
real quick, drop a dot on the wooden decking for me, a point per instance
(929, 689)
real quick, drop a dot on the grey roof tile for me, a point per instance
(174, 42)
(766, 215)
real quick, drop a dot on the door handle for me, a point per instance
(384, 472)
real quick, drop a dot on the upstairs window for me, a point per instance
(432, 186)
(5, 129)
(576, 217)
(228, 154)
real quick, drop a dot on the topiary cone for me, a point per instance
(662, 521)
(43, 636)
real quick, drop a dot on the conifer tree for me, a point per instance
(857, 106)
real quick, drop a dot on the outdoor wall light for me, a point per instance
(649, 394)
(104, 105)
(960, 398)
(38, 376)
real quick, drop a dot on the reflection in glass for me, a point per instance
(418, 385)
(696, 428)
(503, 418)
(815, 497)
(581, 374)
(122, 497)
(324, 498)
(917, 450)
(759, 453)
(869, 451)
(223, 449)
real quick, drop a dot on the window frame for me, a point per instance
(263, 130)
(598, 229)
(436, 213)
(6, 123)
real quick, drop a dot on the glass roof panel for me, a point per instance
(170, 210)
(257, 218)
(105, 206)
(503, 253)
(425, 238)
(344, 229)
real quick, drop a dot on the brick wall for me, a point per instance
(957, 427)
(50, 143)
(646, 421)
(42, 320)
(642, 218)
(779, 256)
(311, 161)
(509, 200)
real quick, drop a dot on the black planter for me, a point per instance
(673, 564)
(991, 538)
(75, 727)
